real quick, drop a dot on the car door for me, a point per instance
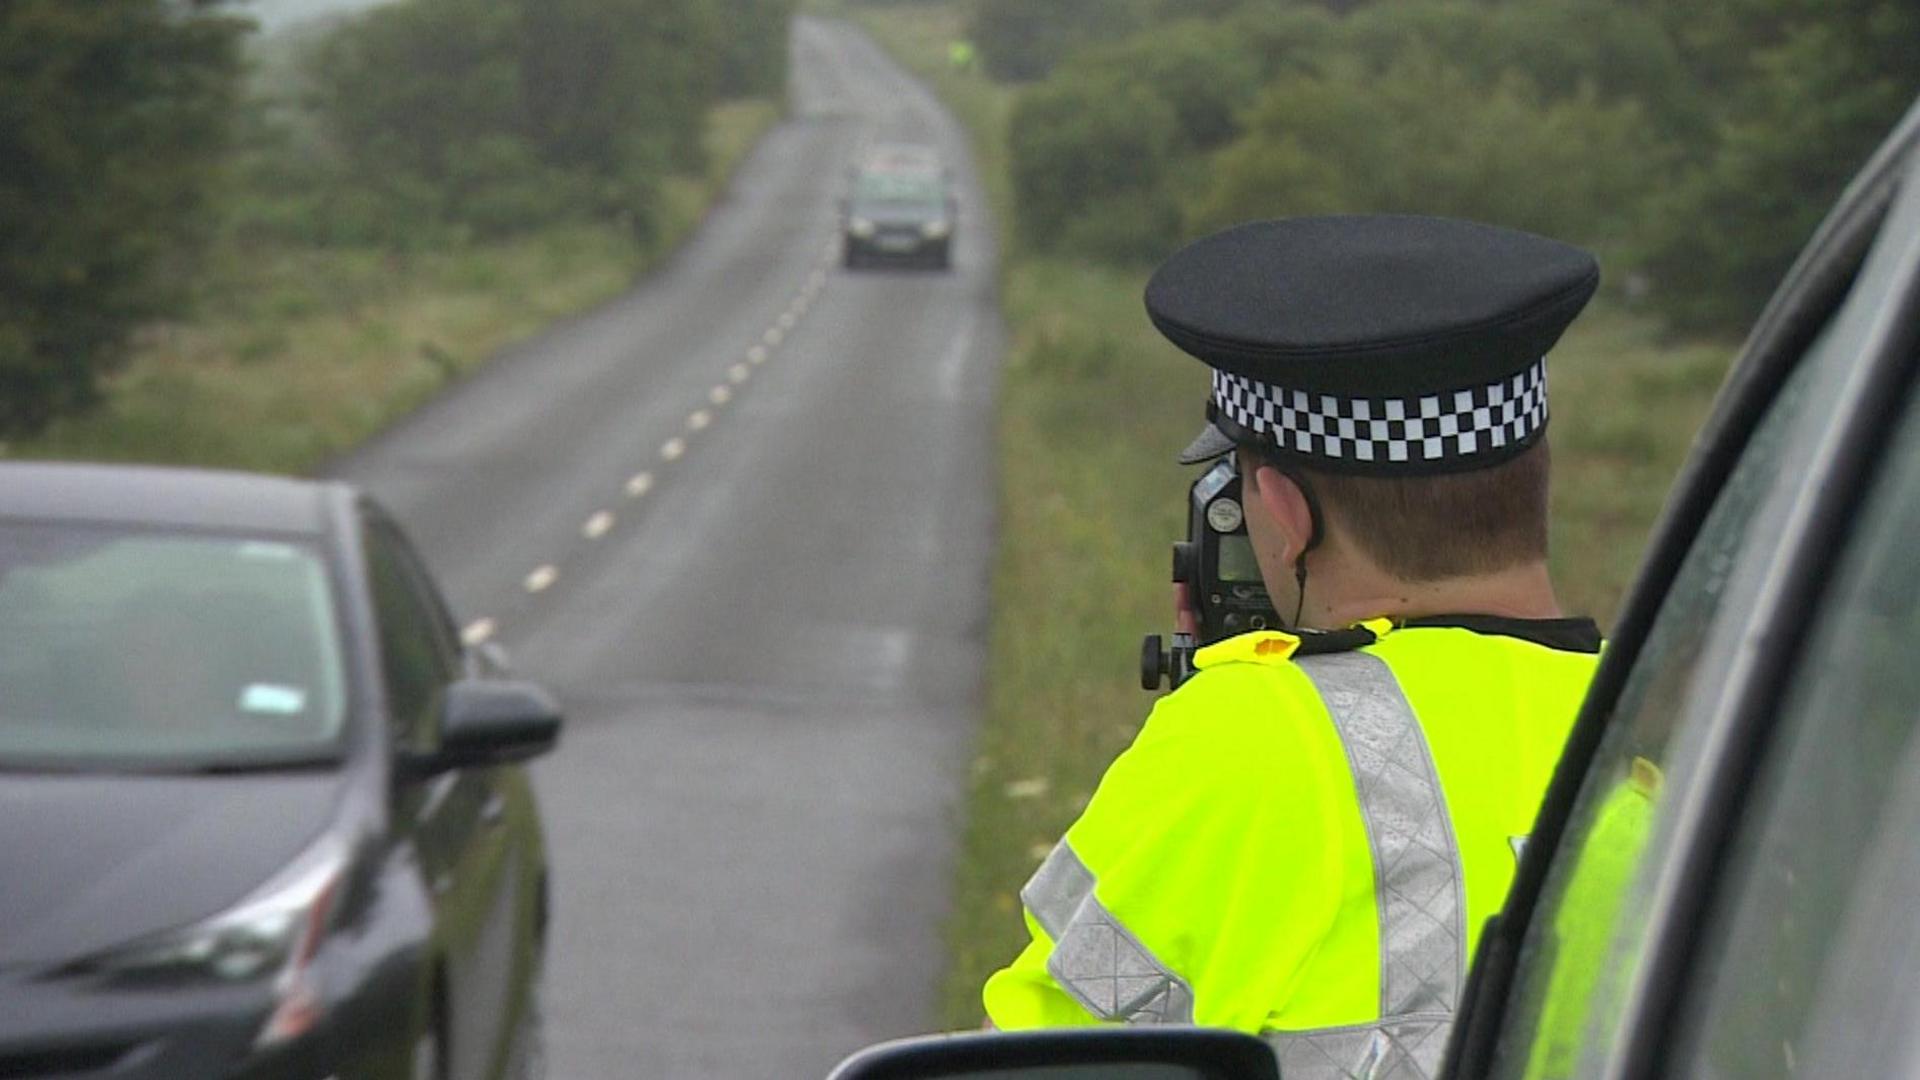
(456, 819)
(1659, 926)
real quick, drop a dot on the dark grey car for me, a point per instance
(260, 813)
(899, 214)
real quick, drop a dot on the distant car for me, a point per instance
(261, 814)
(901, 209)
(1722, 881)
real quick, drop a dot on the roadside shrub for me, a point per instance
(1820, 99)
(1203, 70)
(114, 115)
(1426, 138)
(498, 185)
(1084, 148)
(1022, 40)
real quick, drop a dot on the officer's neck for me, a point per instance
(1340, 595)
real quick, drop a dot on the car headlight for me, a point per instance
(935, 230)
(274, 932)
(860, 227)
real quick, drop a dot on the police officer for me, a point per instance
(1306, 836)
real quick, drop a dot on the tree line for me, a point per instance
(1696, 145)
(133, 134)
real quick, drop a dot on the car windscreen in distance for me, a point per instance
(908, 189)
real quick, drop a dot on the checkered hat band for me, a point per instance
(1451, 426)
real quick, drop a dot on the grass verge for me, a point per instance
(297, 354)
(1094, 406)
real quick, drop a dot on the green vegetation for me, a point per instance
(112, 114)
(1696, 147)
(1091, 495)
(296, 352)
(257, 260)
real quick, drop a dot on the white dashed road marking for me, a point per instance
(477, 632)
(601, 522)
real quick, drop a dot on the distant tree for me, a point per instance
(1091, 162)
(1428, 137)
(1204, 70)
(497, 115)
(1803, 90)
(1022, 40)
(113, 118)
(599, 76)
(753, 49)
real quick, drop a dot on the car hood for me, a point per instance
(88, 863)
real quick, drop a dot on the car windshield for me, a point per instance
(142, 650)
(897, 189)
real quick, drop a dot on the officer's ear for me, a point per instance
(1286, 506)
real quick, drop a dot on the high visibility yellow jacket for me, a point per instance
(1306, 846)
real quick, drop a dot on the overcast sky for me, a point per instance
(275, 14)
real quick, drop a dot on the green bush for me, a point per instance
(1699, 144)
(1427, 138)
(1021, 40)
(114, 115)
(753, 47)
(1817, 101)
(1203, 70)
(488, 117)
(1084, 149)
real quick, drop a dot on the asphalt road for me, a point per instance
(741, 520)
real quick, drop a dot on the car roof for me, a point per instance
(905, 156)
(147, 495)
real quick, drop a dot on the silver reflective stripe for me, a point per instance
(1096, 959)
(1418, 884)
(1404, 1048)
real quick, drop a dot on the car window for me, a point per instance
(1586, 937)
(906, 188)
(446, 631)
(145, 649)
(415, 656)
(1797, 974)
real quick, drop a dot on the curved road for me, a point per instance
(741, 520)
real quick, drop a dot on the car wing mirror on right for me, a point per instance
(491, 722)
(1103, 1053)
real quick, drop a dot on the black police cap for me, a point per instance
(1378, 344)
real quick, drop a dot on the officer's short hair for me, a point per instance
(1430, 528)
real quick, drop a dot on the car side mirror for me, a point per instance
(1106, 1053)
(492, 722)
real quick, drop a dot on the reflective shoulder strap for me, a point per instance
(1096, 959)
(1418, 884)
